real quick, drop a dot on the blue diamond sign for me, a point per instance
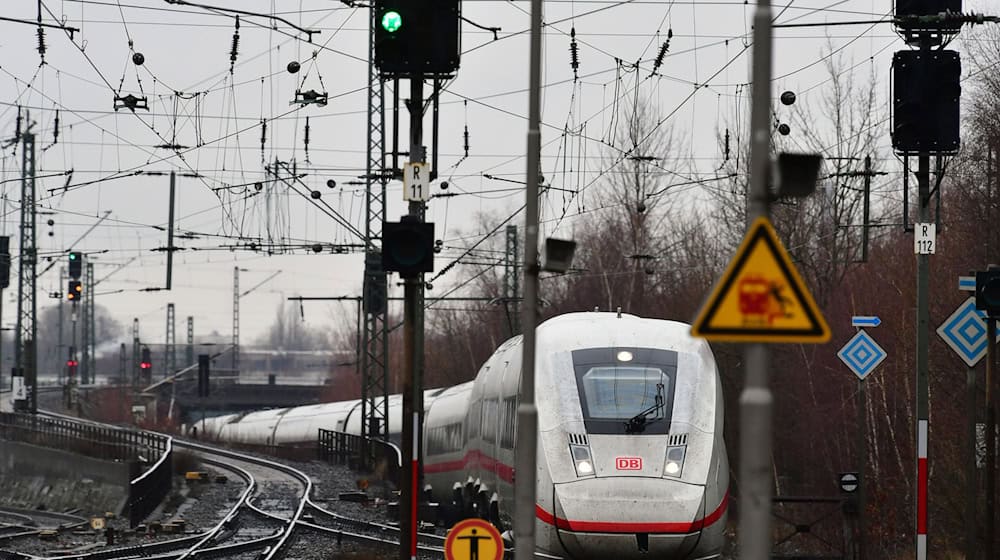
(862, 354)
(965, 332)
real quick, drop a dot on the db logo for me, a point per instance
(628, 463)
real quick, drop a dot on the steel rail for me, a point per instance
(302, 477)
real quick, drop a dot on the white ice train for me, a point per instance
(631, 459)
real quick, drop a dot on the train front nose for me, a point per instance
(624, 518)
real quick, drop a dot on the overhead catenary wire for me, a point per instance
(583, 120)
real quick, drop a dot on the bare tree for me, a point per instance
(290, 332)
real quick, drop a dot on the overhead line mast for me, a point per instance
(25, 356)
(375, 337)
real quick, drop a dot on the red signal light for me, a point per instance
(72, 363)
(145, 365)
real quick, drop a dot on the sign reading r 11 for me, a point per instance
(416, 181)
(924, 238)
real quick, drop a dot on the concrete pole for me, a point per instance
(862, 463)
(923, 324)
(526, 450)
(991, 447)
(972, 479)
(756, 399)
(413, 352)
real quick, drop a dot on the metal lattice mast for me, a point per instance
(236, 321)
(90, 341)
(375, 371)
(189, 355)
(136, 351)
(170, 358)
(25, 359)
(511, 288)
(85, 372)
(60, 349)
(122, 365)
(123, 379)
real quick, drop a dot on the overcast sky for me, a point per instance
(197, 100)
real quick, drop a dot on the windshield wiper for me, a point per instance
(637, 424)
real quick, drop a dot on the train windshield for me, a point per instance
(626, 390)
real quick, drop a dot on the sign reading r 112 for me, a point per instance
(924, 238)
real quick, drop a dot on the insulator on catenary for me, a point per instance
(663, 51)
(307, 139)
(263, 135)
(574, 54)
(55, 129)
(726, 146)
(41, 43)
(465, 137)
(236, 45)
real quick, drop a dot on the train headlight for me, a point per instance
(675, 460)
(582, 460)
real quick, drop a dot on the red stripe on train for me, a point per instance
(474, 458)
(631, 527)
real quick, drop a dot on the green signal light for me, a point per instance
(392, 21)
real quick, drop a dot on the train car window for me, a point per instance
(509, 423)
(444, 439)
(490, 420)
(472, 420)
(626, 390)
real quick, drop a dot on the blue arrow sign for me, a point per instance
(865, 321)
(965, 332)
(862, 354)
(967, 283)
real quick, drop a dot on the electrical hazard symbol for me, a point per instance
(473, 539)
(761, 297)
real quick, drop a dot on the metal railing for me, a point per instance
(90, 440)
(148, 489)
(348, 449)
(147, 485)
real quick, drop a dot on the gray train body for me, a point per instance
(631, 459)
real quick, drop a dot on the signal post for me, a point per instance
(988, 300)
(74, 294)
(415, 40)
(726, 316)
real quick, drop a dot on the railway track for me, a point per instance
(271, 502)
(16, 523)
(275, 505)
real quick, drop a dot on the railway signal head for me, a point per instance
(408, 247)
(391, 21)
(75, 290)
(4, 261)
(75, 264)
(988, 291)
(417, 37)
(146, 363)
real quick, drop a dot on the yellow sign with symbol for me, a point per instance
(761, 297)
(473, 539)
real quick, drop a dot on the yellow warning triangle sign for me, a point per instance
(761, 297)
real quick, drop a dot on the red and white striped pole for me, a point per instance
(922, 489)
(414, 491)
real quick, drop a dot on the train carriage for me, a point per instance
(631, 459)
